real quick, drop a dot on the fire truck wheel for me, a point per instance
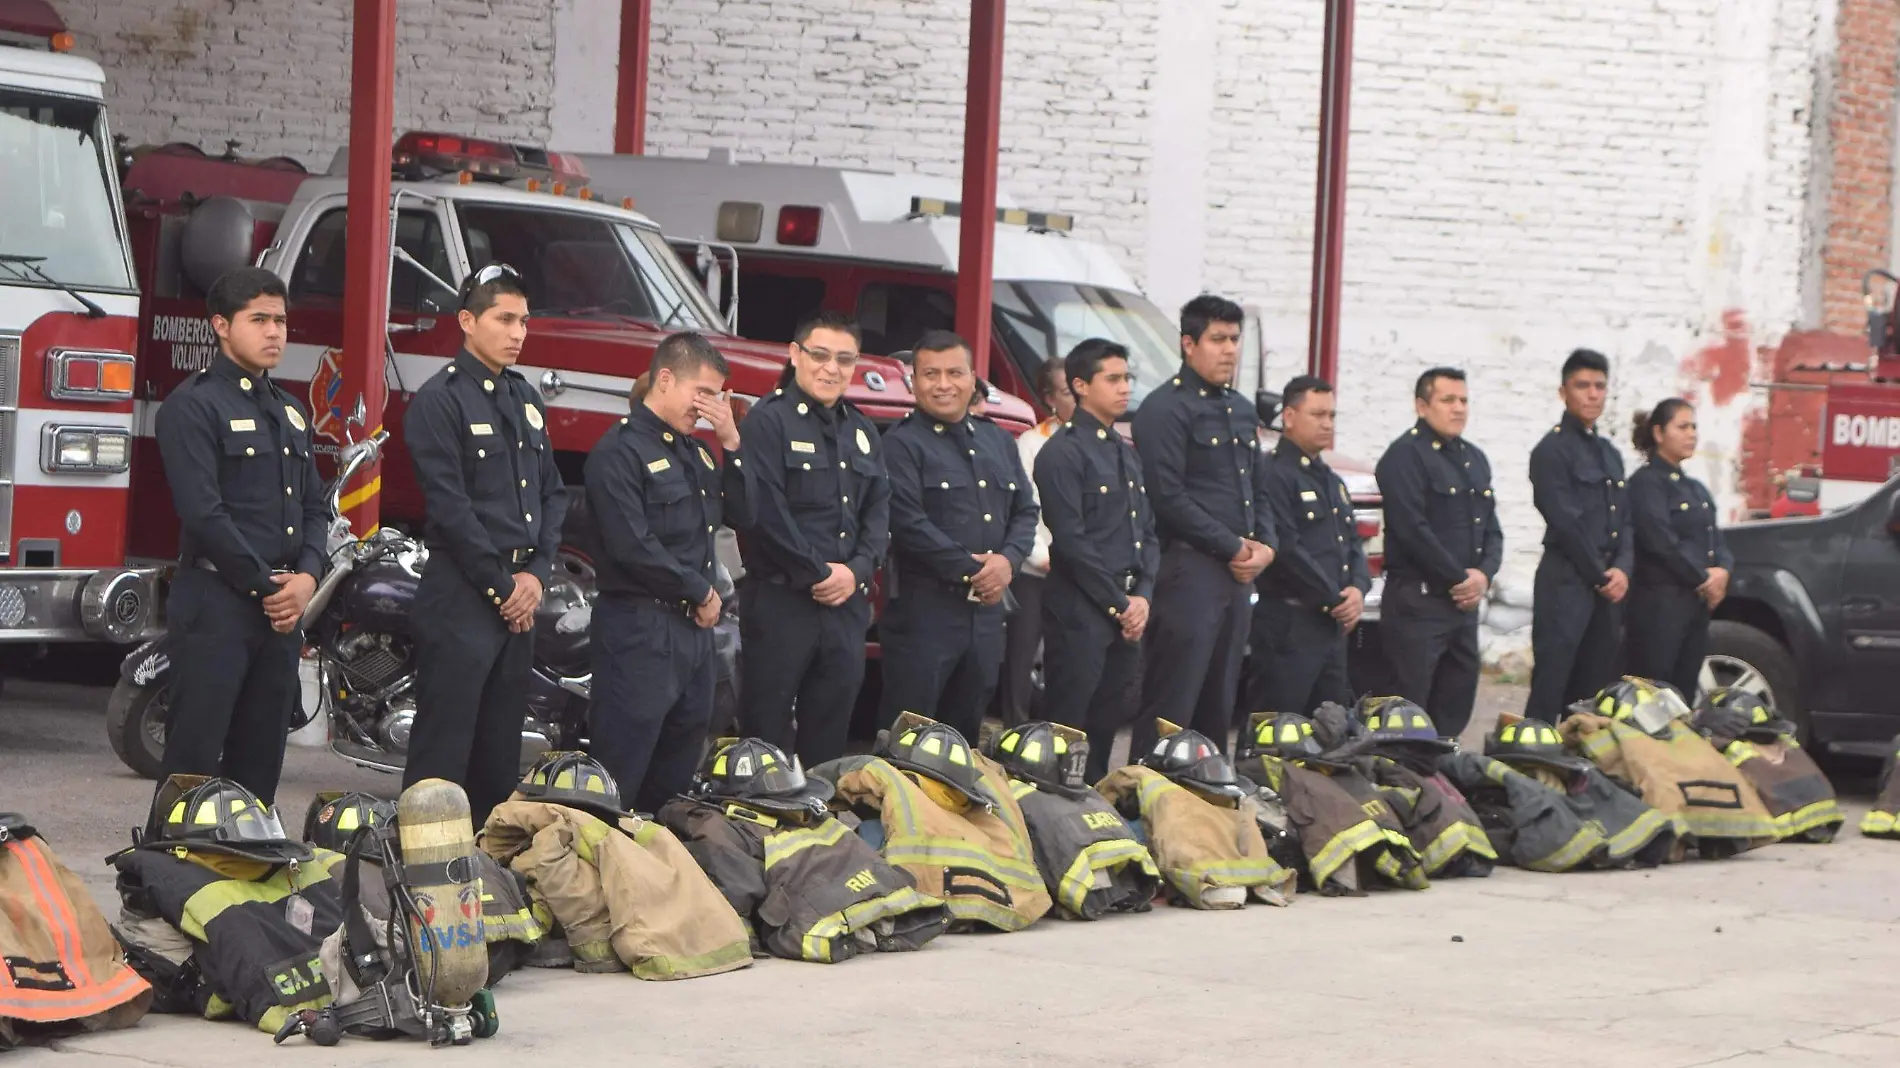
(135, 725)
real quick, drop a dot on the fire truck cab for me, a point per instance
(68, 326)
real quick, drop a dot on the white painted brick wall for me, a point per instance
(275, 74)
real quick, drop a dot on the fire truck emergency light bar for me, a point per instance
(34, 24)
(422, 153)
(930, 207)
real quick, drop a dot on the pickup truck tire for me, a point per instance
(1741, 654)
(135, 725)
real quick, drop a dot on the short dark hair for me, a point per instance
(1085, 360)
(686, 352)
(1423, 390)
(1051, 379)
(1586, 360)
(1207, 309)
(828, 320)
(942, 341)
(1644, 432)
(477, 298)
(240, 286)
(1299, 386)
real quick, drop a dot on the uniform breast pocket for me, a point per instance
(672, 504)
(486, 462)
(810, 482)
(250, 466)
(947, 493)
(1688, 518)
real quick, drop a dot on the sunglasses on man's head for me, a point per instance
(486, 275)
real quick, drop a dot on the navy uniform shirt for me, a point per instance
(653, 499)
(1101, 528)
(815, 490)
(1441, 516)
(1677, 537)
(1199, 444)
(244, 482)
(1577, 484)
(957, 489)
(1320, 553)
(490, 489)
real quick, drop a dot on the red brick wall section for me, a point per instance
(1861, 129)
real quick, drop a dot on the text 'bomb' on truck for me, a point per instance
(68, 327)
(604, 287)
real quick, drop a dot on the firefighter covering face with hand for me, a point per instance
(963, 518)
(244, 482)
(494, 504)
(654, 506)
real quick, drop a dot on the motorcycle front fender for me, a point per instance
(149, 664)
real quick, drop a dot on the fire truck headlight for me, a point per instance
(86, 449)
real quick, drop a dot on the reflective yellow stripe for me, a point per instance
(1572, 853)
(1822, 813)
(1021, 789)
(210, 900)
(593, 832)
(1641, 831)
(816, 943)
(926, 851)
(784, 845)
(1596, 745)
(1706, 824)
(669, 967)
(1344, 846)
(1455, 839)
(1074, 886)
(1879, 823)
(592, 951)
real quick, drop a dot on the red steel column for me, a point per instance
(366, 271)
(982, 119)
(1329, 224)
(630, 98)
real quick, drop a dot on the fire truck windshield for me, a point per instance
(581, 265)
(1042, 321)
(55, 167)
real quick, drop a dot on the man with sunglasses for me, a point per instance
(494, 502)
(816, 524)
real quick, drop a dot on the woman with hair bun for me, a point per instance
(1682, 561)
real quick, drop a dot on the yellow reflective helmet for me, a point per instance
(572, 778)
(1727, 713)
(761, 775)
(1287, 735)
(1190, 758)
(1648, 705)
(218, 816)
(1047, 754)
(1531, 741)
(334, 817)
(938, 751)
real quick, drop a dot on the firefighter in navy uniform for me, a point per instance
(494, 501)
(1102, 555)
(237, 456)
(816, 524)
(963, 519)
(1443, 546)
(1314, 594)
(653, 505)
(1198, 440)
(1682, 560)
(1577, 484)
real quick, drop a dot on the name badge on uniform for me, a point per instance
(481, 429)
(803, 446)
(1308, 495)
(243, 424)
(659, 465)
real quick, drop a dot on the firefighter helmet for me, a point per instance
(1727, 713)
(1645, 703)
(334, 818)
(1287, 735)
(937, 751)
(759, 774)
(1530, 741)
(218, 816)
(1047, 754)
(572, 778)
(1190, 759)
(1395, 719)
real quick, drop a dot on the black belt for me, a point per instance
(518, 557)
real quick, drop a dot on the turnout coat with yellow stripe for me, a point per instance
(1198, 845)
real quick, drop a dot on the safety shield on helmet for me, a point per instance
(220, 816)
(1189, 758)
(1649, 705)
(937, 751)
(1287, 735)
(760, 774)
(1044, 753)
(1728, 713)
(568, 777)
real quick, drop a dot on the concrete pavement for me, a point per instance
(1785, 956)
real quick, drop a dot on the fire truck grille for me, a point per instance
(9, 400)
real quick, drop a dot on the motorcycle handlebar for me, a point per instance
(354, 457)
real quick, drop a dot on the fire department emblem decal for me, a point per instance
(534, 416)
(326, 397)
(296, 417)
(707, 458)
(864, 442)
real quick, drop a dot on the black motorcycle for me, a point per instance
(358, 631)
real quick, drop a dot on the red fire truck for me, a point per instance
(68, 325)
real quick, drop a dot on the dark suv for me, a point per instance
(1813, 618)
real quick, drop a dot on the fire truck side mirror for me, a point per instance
(217, 239)
(1266, 404)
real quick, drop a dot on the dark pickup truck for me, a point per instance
(1813, 619)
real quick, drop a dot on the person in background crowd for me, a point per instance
(1016, 696)
(1682, 561)
(1199, 442)
(1577, 484)
(1443, 547)
(1315, 592)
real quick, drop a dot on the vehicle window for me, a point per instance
(57, 179)
(772, 305)
(1042, 321)
(895, 316)
(316, 281)
(588, 266)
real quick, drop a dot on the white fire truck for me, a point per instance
(68, 329)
